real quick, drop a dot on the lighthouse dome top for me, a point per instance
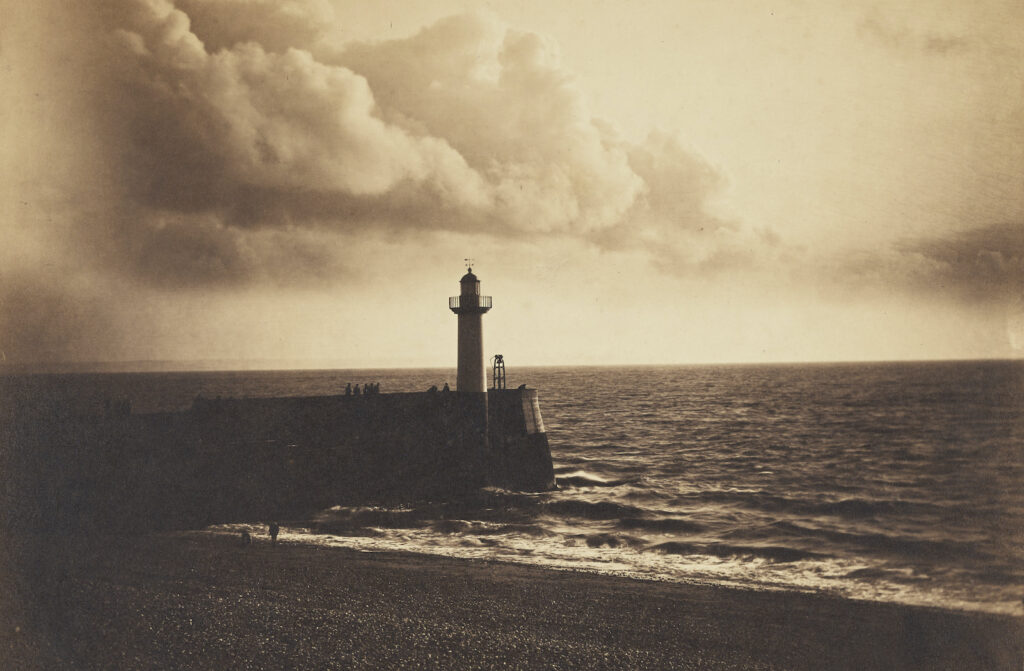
(469, 284)
(469, 300)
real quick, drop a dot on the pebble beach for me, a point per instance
(193, 601)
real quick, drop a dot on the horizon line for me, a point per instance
(276, 365)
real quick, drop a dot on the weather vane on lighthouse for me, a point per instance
(469, 264)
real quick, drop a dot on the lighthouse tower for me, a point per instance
(470, 306)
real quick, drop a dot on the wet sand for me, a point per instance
(189, 601)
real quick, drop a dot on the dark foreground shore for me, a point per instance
(181, 601)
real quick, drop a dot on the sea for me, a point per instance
(898, 482)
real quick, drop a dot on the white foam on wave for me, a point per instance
(818, 575)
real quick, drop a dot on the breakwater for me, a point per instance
(74, 467)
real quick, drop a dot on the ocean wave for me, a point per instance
(524, 529)
(477, 528)
(771, 552)
(870, 543)
(362, 517)
(457, 527)
(662, 525)
(754, 499)
(578, 478)
(853, 507)
(593, 510)
(939, 549)
(894, 575)
(861, 508)
(1004, 576)
(329, 529)
(609, 540)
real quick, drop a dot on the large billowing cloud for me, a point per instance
(467, 126)
(224, 144)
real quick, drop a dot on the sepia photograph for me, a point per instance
(519, 334)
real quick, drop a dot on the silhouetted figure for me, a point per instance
(348, 389)
(366, 388)
(433, 389)
(355, 392)
(446, 388)
(246, 539)
(274, 529)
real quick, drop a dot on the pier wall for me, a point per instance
(237, 459)
(519, 456)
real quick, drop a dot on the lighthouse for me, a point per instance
(470, 306)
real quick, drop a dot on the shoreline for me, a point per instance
(626, 573)
(186, 600)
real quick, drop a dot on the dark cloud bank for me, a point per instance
(984, 264)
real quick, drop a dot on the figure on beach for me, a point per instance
(246, 538)
(274, 529)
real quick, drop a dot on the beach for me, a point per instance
(201, 601)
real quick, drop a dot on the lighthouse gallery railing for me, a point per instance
(456, 302)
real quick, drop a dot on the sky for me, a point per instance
(298, 183)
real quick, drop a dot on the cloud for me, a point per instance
(226, 145)
(983, 264)
(205, 125)
(501, 98)
(977, 267)
(671, 219)
(224, 136)
(177, 251)
(276, 25)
